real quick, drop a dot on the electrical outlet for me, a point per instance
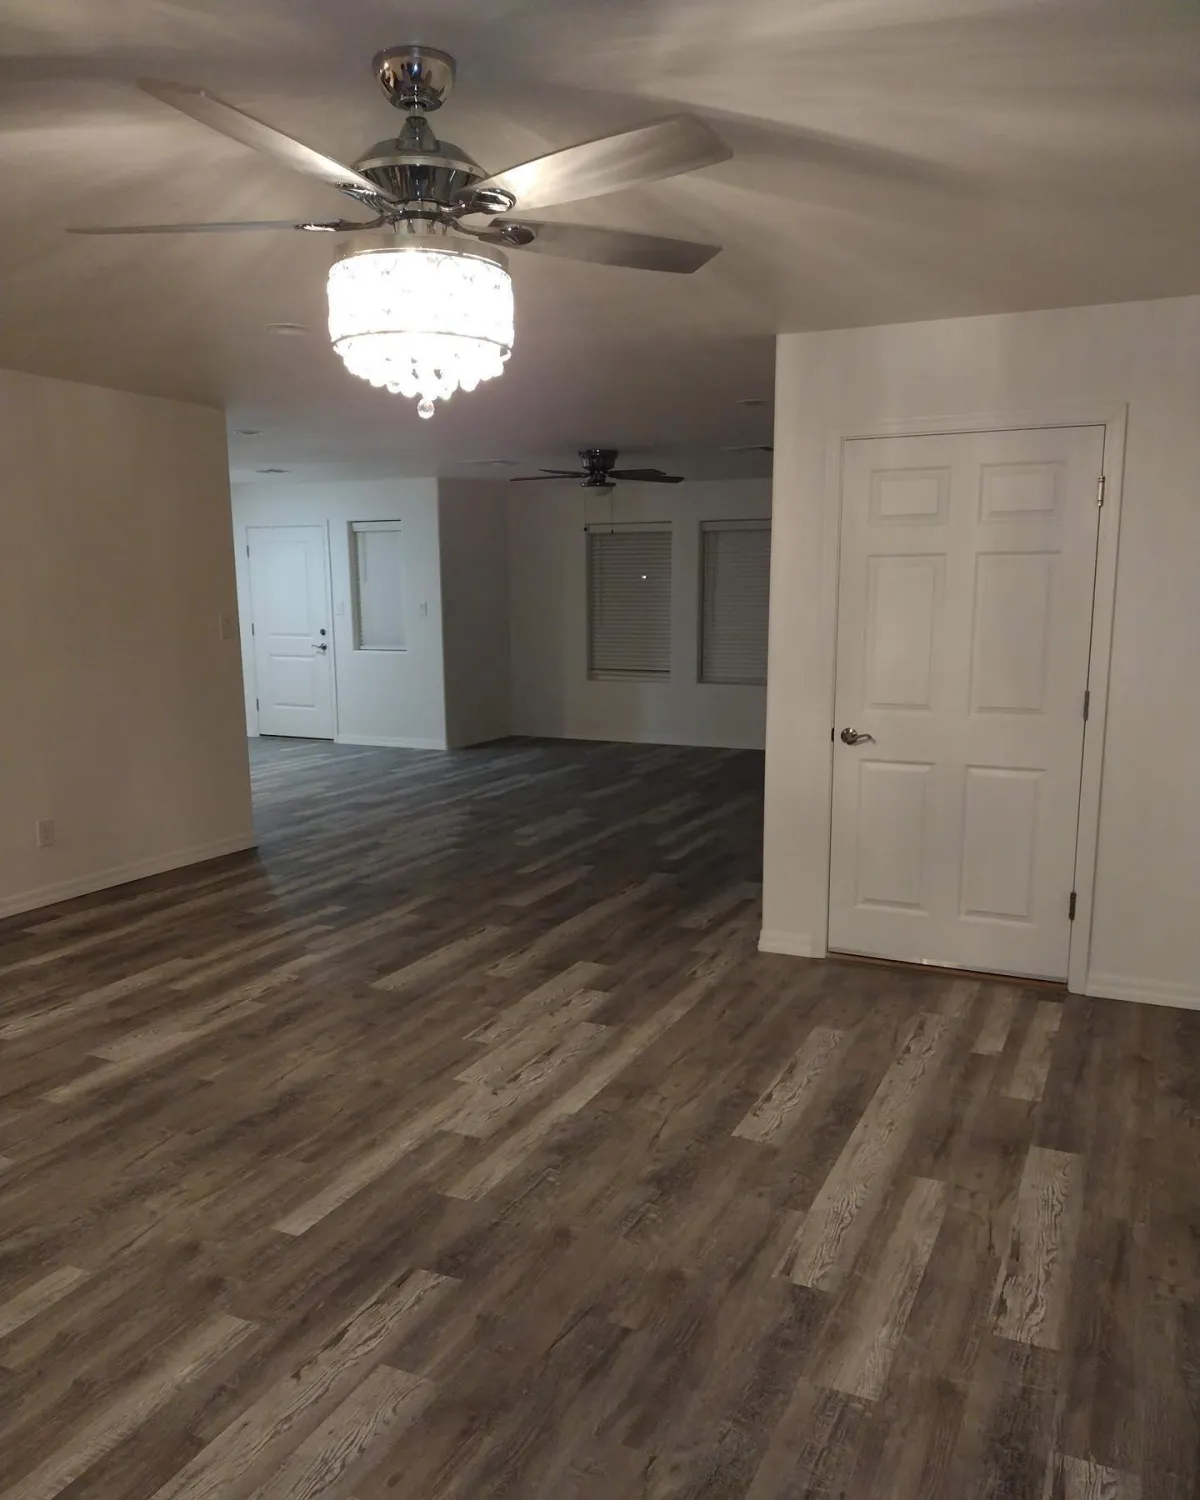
(225, 627)
(44, 832)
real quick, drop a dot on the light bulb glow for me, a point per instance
(421, 320)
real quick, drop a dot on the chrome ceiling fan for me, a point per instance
(599, 472)
(441, 223)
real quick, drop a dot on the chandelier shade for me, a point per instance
(422, 318)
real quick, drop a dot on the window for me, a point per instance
(735, 585)
(629, 601)
(377, 567)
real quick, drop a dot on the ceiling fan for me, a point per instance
(441, 223)
(599, 472)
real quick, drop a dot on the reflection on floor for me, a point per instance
(464, 1146)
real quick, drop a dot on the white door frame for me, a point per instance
(1114, 420)
(249, 654)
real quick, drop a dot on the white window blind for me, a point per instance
(378, 570)
(735, 590)
(629, 601)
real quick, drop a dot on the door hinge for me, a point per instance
(247, 549)
(1100, 489)
(1071, 908)
(256, 703)
(1087, 702)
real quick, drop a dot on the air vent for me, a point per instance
(754, 401)
(751, 448)
(272, 471)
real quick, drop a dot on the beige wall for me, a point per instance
(382, 697)
(473, 533)
(552, 693)
(1078, 364)
(120, 702)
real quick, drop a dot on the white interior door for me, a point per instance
(964, 629)
(289, 594)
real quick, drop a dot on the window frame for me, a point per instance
(707, 528)
(366, 528)
(616, 674)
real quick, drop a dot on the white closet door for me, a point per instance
(964, 626)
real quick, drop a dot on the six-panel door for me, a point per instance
(964, 619)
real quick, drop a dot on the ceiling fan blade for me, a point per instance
(680, 143)
(245, 227)
(646, 476)
(548, 474)
(218, 115)
(606, 247)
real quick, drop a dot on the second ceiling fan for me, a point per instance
(599, 472)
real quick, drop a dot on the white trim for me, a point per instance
(637, 737)
(389, 742)
(1113, 419)
(798, 944)
(138, 869)
(1143, 991)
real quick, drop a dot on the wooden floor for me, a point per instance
(464, 1146)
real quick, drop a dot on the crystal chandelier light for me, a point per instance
(421, 316)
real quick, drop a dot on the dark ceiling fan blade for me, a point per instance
(222, 117)
(606, 247)
(680, 143)
(548, 474)
(248, 226)
(646, 476)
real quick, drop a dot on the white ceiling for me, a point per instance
(968, 156)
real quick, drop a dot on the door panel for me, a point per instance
(964, 622)
(289, 588)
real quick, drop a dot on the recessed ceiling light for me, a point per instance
(287, 330)
(491, 463)
(754, 401)
(272, 471)
(248, 432)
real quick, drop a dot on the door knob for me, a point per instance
(856, 737)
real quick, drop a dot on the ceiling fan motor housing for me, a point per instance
(418, 168)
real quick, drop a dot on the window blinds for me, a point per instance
(735, 589)
(629, 602)
(378, 560)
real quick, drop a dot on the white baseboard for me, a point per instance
(102, 880)
(634, 737)
(1143, 991)
(798, 944)
(389, 742)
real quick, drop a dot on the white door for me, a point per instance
(289, 594)
(964, 628)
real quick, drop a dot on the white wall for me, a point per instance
(383, 697)
(473, 531)
(551, 692)
(1077, 364)
(120, 701)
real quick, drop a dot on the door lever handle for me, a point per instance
(856, 737)
(322, 647)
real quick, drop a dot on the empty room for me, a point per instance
(599, 814)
